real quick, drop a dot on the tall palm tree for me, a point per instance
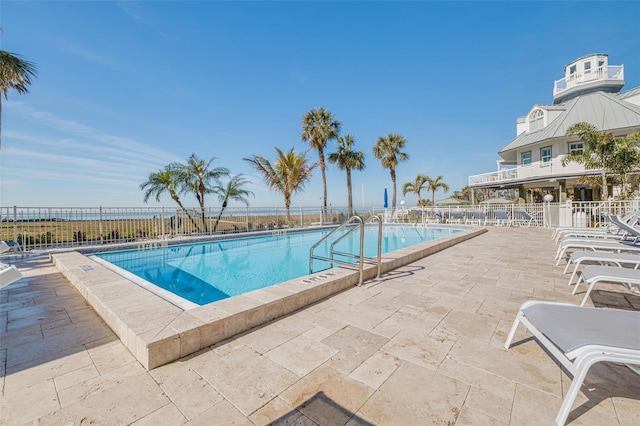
(16, 74)
(387, 150)
(165, 180)
(232, 191)
(603, 151)
(318, 127)
(416, 187)
(347, 159)
(287, 174)
(197, 177)
(433, 185)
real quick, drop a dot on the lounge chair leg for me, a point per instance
(575, 289)
(566, 268)
(586, 295)
(576, 384)
(573, 275)
(517, 321)
(512, 332)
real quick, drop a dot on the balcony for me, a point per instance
(536, 170)
(608, 78)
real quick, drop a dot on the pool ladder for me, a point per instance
(359, 225)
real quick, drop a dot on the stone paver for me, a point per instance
(422, 345)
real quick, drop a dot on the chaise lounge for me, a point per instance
(604, 258)
(579, 337)
(591, 275)
(8, 274)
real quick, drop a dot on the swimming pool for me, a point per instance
(206, 272)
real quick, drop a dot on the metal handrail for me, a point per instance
(376, 218)
(331, 259)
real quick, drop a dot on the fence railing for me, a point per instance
(40, 228)
(46, 228)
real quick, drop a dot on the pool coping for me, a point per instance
(158, 332)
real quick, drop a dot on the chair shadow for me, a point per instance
(622, 299)
(322, 410)
(604, 381)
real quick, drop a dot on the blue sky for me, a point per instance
(125, 88)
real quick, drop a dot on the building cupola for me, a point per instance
(590, 73)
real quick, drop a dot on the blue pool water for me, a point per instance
(205, 272)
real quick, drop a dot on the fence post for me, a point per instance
(247, 218)
(15, 224)
(162, 222)
(100, 225)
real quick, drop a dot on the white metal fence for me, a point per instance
(44, 228)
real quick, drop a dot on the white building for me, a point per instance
(589, 92)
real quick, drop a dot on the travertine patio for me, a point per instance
(423, 345)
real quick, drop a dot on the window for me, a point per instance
(587, 67)
(545, 154)
(536, 120)
(572, 70)
(576, 147)
(526, 157)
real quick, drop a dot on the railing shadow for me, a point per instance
(320, 409)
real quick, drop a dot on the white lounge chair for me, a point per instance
(591, 275)
(579, 337)
(476, 217)
(610, 233)
(9, 246)
(524, 218)
(589, 244)
(630, 218)
(502, 218)
(629, 231)
(604, 258)
(455, 217)
(8, 274)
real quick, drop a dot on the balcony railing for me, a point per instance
(604, 73)
(537, 169)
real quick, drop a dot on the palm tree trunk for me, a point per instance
(349, 193)
(605, 188)
(287, 206)
(393, 180)
(193, 221)
(224, 206)
(324, 178)
(202, 212)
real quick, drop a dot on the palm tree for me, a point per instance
(233, 191)
(165, 180)
(433, 185)
(318, 127)
(288, 173)
(603, 151)
(347, 159)
(387, 150)
(196, 177)
(16, 74)
(416, 187)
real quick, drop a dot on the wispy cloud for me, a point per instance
(89, 140)
(128, 9)
(93, 56)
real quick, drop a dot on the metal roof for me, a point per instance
(628, 93)
(604, 110)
